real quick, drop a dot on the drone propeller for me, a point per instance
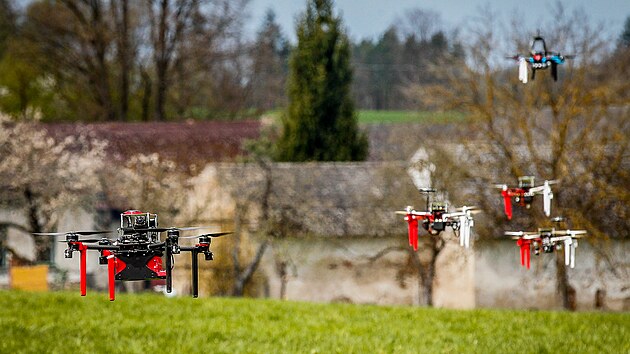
(83, 233)
(469, 209)
(521, 234)
(87, 240)
(427, 190)
(413, 212)
(553, 181)
(500, 186)
(572, 233)
(212, 234)
(164, 229)
(569, 56)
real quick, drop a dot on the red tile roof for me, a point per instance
(196, 142)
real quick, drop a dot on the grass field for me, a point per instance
(392, 117)
(68, 323)
(387, 117)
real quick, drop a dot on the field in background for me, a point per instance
(66, 322)
(389, 117)
(372, 117)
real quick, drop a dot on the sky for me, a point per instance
(370, 18)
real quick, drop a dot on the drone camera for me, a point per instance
(526, 181)
(438, 206)
(102, 260)
(137, 219)
(67, 253)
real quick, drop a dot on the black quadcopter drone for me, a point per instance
(539, 59)
(137, 252)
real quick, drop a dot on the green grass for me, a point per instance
(388, 117)
(68, 323)
(393, 117)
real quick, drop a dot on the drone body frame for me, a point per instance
(137, 252)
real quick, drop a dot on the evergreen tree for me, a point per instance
(624, 39)
(320, 123)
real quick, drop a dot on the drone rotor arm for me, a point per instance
(212, 234)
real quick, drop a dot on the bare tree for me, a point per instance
(420, 23)
(243, 274)
(43, 177)
(126, 22)
(149, 182)
(169, 21)
(76, 39)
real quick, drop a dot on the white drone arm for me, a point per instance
(547, 197)
(574, 245)
(467, 224)
(545, 190)
(567, 251)
(570, 244)
(522, 70)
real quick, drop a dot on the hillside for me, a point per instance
(67, 323)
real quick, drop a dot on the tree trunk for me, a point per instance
(123, 57)
(42, 244)
(146, 95)
(161, 62)
(281, 269)
(160, 97)
(246, 275)
(426, 272)
(99, 43)
(565, 290)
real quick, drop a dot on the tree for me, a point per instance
(269, 68)
(320, 123)
(149, 182)
(7, 23)
(144, 60)
(169, 23)
(624, 38)
(74, 44)
(575, 130)
(409, 52)
(43, 178)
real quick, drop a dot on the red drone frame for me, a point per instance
(547, 240)
(437, 219)
(524, 194)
